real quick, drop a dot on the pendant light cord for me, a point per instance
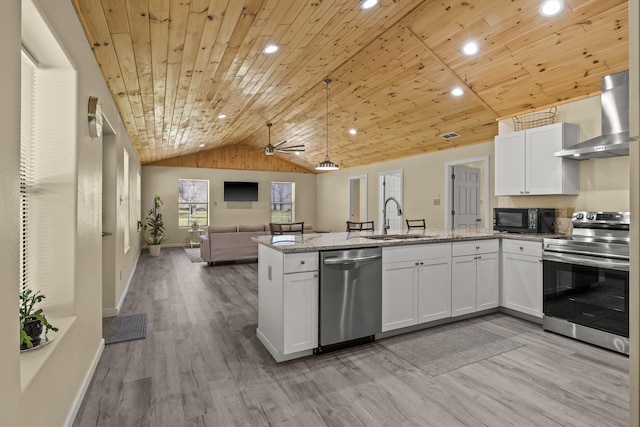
(326, 82)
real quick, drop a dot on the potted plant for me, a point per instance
(31, 320)
(195, 225)
(155, 225)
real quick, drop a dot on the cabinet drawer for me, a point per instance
(522, 247)
(415, 252)
(305, 261)
(473, 247)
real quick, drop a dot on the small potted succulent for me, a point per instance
(155, 225)
(32, 320)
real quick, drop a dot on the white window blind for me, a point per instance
(48, 184)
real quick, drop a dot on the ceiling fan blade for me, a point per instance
(292, 148)
(280, 143)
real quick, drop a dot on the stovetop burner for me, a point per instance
(604, 234)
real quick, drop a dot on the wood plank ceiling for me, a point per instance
(174, 66)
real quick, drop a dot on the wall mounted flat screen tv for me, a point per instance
(240, 191)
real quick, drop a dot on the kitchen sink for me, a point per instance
(397, 236)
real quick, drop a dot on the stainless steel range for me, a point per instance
(586, 280)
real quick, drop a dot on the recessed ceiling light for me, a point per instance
(297, 153)
(457, 91)
(551, 7)
(352, 131)
(222, 116)
(271, 48)
(470, 48)
(201, 145)
(368, 4)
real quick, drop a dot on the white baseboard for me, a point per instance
(84, 387)
(111, 312)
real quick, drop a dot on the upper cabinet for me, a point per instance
(525, 164)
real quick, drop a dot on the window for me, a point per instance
(48, 184)
(125, 199)
(283, 202)
(193, 202)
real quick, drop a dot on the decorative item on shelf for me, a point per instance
(155, 224)
(195, 225)
(327, 165)
(32, 320)
(270, 150)
(534, 120)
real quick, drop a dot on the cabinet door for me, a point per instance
(399, 295)
(510, 162)
(487, 281)
(434, 289)
(545, 173)
(522, 283)
(463, 285)
(300, 297)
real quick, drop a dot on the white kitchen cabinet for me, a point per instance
(475, 276)
(416, 284)
(526, 165)
(287, 302)
(522, 277)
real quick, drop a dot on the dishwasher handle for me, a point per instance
(348, 261)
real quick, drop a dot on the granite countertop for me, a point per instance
(329, 241)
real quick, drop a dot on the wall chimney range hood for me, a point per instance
(615, 139)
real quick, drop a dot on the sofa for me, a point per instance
(231, 242)
(234, 242)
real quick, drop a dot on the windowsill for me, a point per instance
(32, 361)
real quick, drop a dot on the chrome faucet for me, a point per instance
(384, 212)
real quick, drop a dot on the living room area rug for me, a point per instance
(124, 328)
(445, 348)
(193, 254)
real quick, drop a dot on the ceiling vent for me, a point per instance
(450, 135)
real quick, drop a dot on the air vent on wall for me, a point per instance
(449, 135)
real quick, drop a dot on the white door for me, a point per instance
(109, 210)
(466, 197)
(390, 186)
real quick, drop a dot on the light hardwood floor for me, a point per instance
(202, 365)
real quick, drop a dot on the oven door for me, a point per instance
(587, 290)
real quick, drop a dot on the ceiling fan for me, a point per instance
(270, 150)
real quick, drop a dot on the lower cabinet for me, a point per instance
(287, 301)
(416, 285)
(300, 298)
(475, 277)
(522, 277)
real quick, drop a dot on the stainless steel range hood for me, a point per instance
(614, 140)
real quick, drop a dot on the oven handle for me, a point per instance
(587, 261)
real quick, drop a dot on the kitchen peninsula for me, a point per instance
(429, 277)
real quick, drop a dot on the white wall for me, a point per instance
(9, 202)
(424, 181)
(58, 385)
(163, 181)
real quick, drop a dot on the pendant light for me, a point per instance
(327, 165)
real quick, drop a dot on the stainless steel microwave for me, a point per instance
(524, 220)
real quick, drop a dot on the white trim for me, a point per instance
(363, 209)
(77, 402)
(485, 192)
(111, 312)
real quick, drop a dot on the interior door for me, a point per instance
(358, 198)
(390, 186)
(466, 196)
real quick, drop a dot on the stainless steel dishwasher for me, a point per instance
(350, 295)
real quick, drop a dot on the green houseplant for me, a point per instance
(155, 225)
(32, 320)
(195, 225)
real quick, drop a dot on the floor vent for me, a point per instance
(450, 135)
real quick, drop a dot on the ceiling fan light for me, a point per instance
(327, 165)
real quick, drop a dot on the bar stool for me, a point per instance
(416, 224)
(360, 226)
